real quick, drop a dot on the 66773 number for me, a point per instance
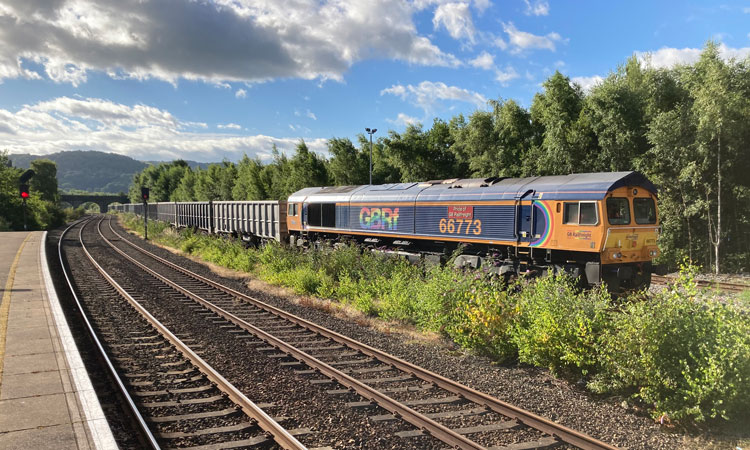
(458, 226)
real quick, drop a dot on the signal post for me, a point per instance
(144, 196)
(23, 189)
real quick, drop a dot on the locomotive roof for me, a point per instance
(583, 186)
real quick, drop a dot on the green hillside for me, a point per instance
(91, 171)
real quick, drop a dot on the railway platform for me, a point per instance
(46, 396)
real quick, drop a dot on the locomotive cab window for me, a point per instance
(618, 211)
(580, 213)
(292, 209)
(645, 210)
(571, 213)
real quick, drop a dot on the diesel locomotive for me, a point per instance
(601, 227)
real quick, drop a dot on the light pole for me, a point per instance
(371, 132)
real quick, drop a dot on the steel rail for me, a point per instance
(528, 418)
(281, 435)
(141, 422)
(724, 285)
(400, 410)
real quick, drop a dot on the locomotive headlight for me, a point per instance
(617, 255)
(653, 252)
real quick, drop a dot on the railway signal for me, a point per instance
(23, 190)
(144, 196)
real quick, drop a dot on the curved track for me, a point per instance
(177, 399)
(457, 415)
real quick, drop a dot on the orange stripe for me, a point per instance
(408, 203)
(505, 193)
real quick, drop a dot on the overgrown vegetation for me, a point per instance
(42, 210)
(682, 354)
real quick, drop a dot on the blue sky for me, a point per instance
(208, 80)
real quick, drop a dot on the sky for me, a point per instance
(212, 80)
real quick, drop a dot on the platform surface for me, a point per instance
(46, 398)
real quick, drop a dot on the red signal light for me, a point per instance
(24, 191)
(24, 195)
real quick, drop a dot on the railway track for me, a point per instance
(721, 285)
(175, 397)
(389, 389)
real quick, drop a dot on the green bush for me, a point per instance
(437, 296)
(686, 354)
(397, 292)
(557, 325)
(483, 317)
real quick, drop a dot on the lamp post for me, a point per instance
(371, 132)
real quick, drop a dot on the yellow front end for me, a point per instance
(630, 244)
(631, 234)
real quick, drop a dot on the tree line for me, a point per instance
(684, 127)
(42, 208)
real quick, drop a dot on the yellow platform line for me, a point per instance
(5, 305)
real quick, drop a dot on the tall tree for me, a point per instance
(494, 143)
(670, 163)
(185, 191)
(306, 169)
(561, 148)
(715, 107)
(162, 179)
(250, 184)
(348, 165)
(44, 180)
(216, 182)
(422, 155)
(616, 110)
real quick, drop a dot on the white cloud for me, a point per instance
(500, 43)
(483, 61)
(537, 8)
(403, 120)
(250, 41)
(587, 83)
(482, 5)
(241, 93)
(228, 126)
(522, 40)
(309, 114)
(504, 76)
(139, 131)
(669, 57)
(456, 18)
(428, 94)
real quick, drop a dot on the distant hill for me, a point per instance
(92, 171)
(192, 164)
